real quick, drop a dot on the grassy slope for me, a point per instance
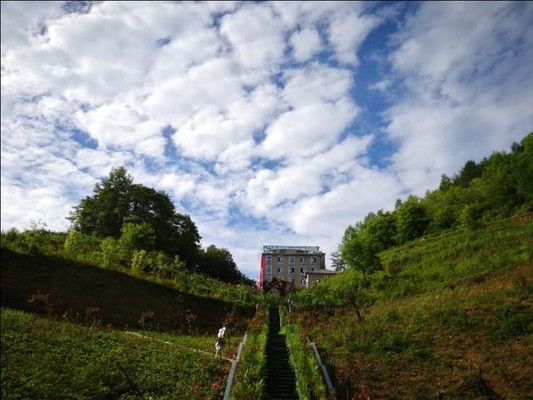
(76, 290)
(47, 359)
(455, 321)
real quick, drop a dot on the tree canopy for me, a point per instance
(497, 187)
(141, 218)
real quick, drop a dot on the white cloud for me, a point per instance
(19, 25)
(465, 94)
(292, 134)
(305, 44)
(255, 35)
(120, 126)
(303, 178)
(347, 32)
(268, 146)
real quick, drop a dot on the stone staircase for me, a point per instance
(280, 380)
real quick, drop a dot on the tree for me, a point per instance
(382, 228)
(103, 213)
(411, 220)
(184, 240)
(337, 262)
(218, 263)
(137, 237)
(360, 250)
(117, 201)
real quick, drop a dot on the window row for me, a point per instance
(292, 259)
(302, 281)
(292, 270)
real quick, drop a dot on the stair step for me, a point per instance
(280, 382)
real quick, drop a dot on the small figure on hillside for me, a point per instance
(220, 340)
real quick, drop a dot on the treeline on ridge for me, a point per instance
(127, 225)
(497, 187)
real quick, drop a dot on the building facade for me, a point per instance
(290, 263)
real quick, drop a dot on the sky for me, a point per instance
(274, 123)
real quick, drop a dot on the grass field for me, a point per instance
(451, 317)
(48, 359)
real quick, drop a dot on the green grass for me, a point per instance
(433, 346)
(47, 359)
(309, 379)
(427, 265)
(449, 317)
(249, 376)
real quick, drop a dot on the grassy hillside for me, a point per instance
(449, 317)
(47, 359)
(82, 293)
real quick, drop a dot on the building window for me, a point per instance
(291, 270)
(269, 270)
(302, 260)
(313, 259)
(302, 270)
(280, 270)
(280, 259)
(269, 279)
(313, 269)
(269, 259)
(302, 281)
(291, 260)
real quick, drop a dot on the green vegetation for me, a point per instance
(131, 218)
(309, 380)
(249, 376)
(42, 358)
(498, 187)
(469, 341)
(109, 254)
(436, 298)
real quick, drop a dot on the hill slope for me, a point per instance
(450, 317)
(78, 291)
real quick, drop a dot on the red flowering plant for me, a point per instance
(41, 302)
(364, 394)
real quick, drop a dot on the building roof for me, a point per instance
(294, 249)
(322, 272)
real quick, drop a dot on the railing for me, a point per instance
(233, 367)
(327, 379)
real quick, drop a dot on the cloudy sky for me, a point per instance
(268, 123)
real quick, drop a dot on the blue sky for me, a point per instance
(268, 123)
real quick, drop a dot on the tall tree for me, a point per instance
(103, 213)
(117, 201)
(219, 263)
(411, 220)
(337, 262)
(360, 250)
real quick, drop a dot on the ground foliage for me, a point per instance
(109, 254)
(47, 359)
(249, 376)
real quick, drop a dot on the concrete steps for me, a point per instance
(280, 380)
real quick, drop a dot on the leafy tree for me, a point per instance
(137, 237)
(382, 228)
(117, 201)
(184, 240)
(218, 263)
(411, 220)
(470, 171)
(337, 262)
(103, 213)
(360, 250)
